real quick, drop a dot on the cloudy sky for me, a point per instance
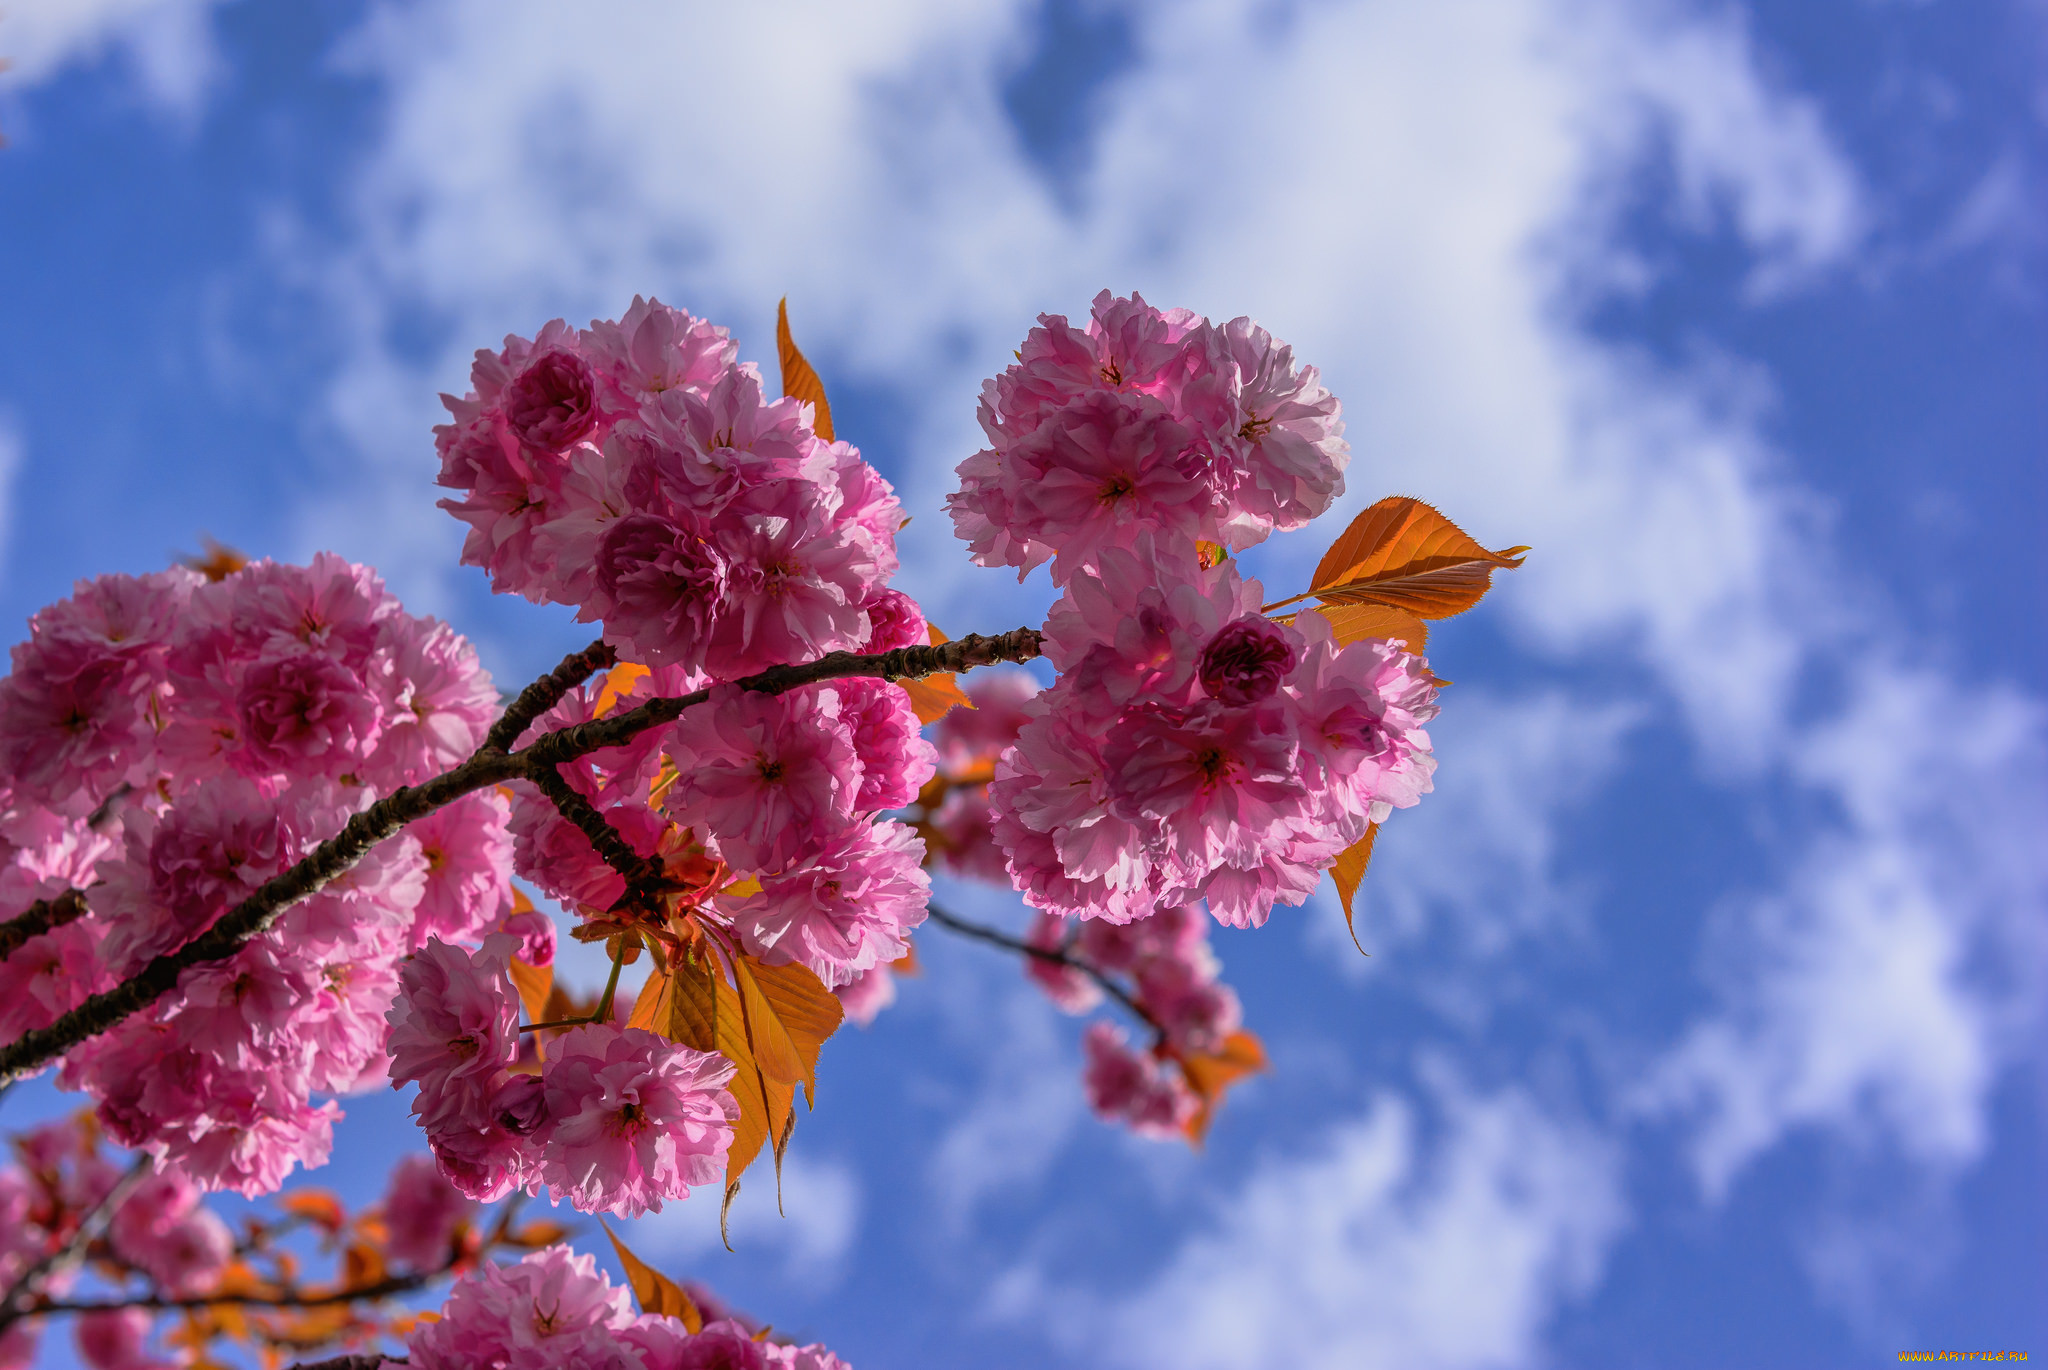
(1703, 1023)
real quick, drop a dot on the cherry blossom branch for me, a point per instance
(383, 1289)
(642, 876)
(39, 918)
(73, 1247)
(364, 1361)
(489, 766)
(1057, 956)
(537, 698)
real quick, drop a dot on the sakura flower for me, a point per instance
(766, 775)
(468, 853)
(633, 1119)
(550, 1310)
(422, 1212)
(117, 1339)
(1122, 1086)
(846, 908)
(454, 1026)
(895, 760)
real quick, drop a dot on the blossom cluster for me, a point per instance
(769, 804)
(636, 470)
(158, 1230)
(555, 1308)
(171, 742)
(1173, 980)
(1191, 749)
(614, 1120)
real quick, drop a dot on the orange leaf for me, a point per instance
(799, 381)
(1209, 1075)
(651, 1006)
(536, 1235)
(802, 1012)
(618, 682)
(765, 1104)
(1351, 623)
(535, 985)
(1403, 553)
(363, 1265)
(693, 1001)
(1211, 554)
(656, 1292)
(933, 696)
(1349, 872)
(315, 1206)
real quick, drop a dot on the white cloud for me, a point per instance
(815, 1229)
(1481, 850)
(167, 43)
(1026, 1105)
(1883, 987)
(1389, 1246)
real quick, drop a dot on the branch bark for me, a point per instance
(39, 918)
(489, 766)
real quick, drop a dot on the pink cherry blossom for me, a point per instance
(467, 848)
(767, 776)
(848, 906)
(552, 1309)
(1070, 990)
(454, 1027)
(117, 1339)
(867, 993)
(1148, 1097)
(422, 1212)
(633, 1119)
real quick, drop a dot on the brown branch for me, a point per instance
(257, 913)
(643, 877)
(38, 918)
(72, 1248)
(366, 1361)
(537, 698)
(381, 1289)
(1057, 956)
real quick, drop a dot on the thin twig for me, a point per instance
(382, 1289)
(1057, 956)
(38, 918)
(256, 914)
(90, 1224)
(365, 1361)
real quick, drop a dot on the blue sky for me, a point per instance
(1703, 1024)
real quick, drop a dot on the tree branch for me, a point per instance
(257, 913)
(382, 1289)
(537, 698)
(89, 1227)
(642, 876)
(367, 1361)
(997, 938)
(38, 918)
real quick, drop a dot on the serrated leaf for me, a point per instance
(656, 1292)
(1210, 1074)
(803, 1011)
(1351, 623)
(1349, 873)
(764, 1103)
(799, 381)
(932, 697)
(774, 1051)
(1402, 552)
